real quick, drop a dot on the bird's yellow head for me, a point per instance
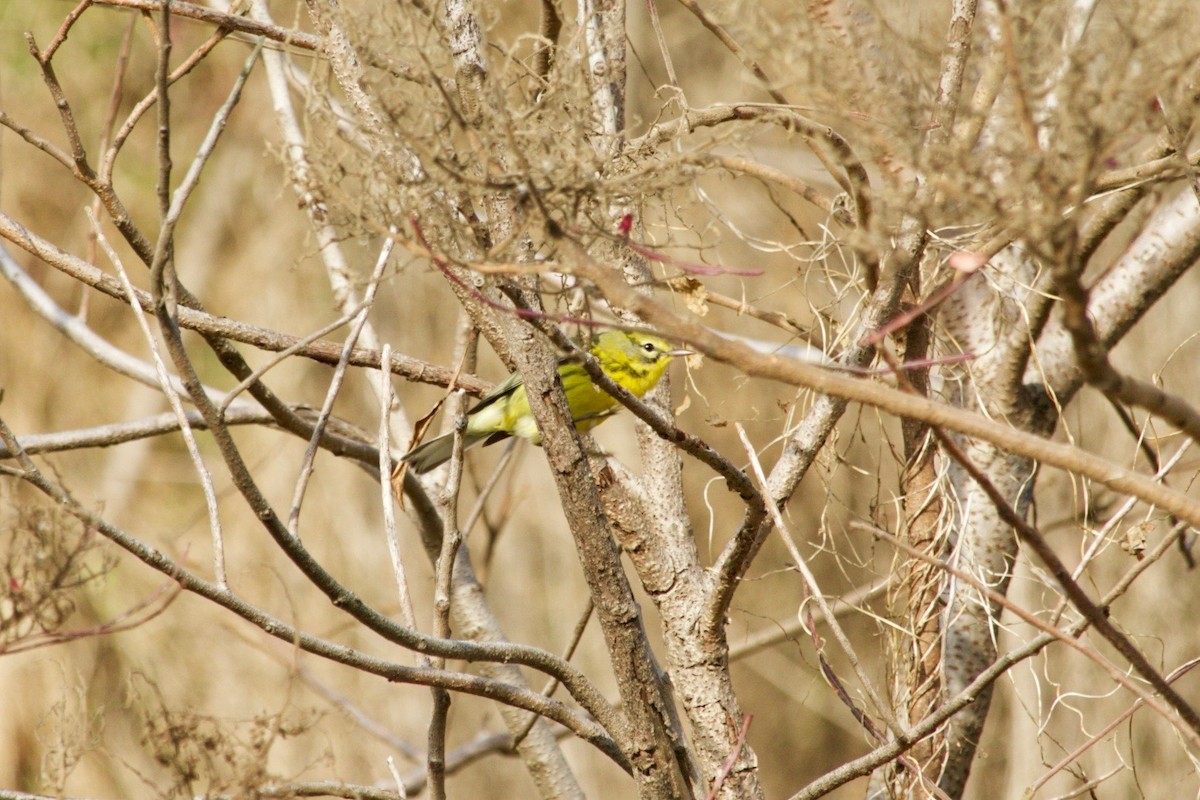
(634, 360)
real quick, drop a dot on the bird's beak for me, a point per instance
(681, 352)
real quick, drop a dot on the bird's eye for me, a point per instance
(648, 347)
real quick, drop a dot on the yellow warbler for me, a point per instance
(636, 361)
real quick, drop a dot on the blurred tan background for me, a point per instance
(120, 716)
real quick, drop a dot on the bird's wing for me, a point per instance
(499, 392)
(608, 412)
(511, 384)
(498, 436)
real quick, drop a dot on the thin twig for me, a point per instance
(65, 29)
(108, 161)
(289, 658)
(568, 653)
(767, 174)
(297, 346)
(866, 764)
(738, 51)
(1093, 358)
(110, 121)
(121, 432)
(476, 512)
(209, 325)
(233, 22)
(665, 51)
(407, 615)
(894, 401)
(1103, 733)
(78, 154)
(162, 79)
(842, 606)
(135, 616)
(727, 767)
(814, 591)
(484, 745)
(335, 385)
(1117, 516)
(442, 596)
(185, 429)
(1033, 620)
(77, 331)
(454, 681)
(1096, 615)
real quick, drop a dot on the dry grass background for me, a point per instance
(194, 691)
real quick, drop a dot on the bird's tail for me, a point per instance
(435, 452)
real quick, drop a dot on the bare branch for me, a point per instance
(233, 22)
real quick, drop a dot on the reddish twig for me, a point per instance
(967, 264)
(125, 621)
(64, 30)
(1094, 614)
(519, 312)
(727, 766)
(1104, 732)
